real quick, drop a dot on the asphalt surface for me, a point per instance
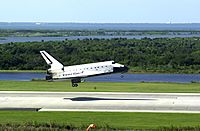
(100, 101)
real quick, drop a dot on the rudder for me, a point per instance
(51, 61)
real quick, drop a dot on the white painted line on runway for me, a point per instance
(89, 110)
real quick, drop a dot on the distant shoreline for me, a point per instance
(94, 26)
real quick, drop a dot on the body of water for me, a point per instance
(97, 26)
(39, 39)
(178, 78)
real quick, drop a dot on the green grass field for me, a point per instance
(103, 119)
(100, 87)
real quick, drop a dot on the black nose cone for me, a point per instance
(120, 69)
(125, 69)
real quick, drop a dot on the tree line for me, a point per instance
(176, 55)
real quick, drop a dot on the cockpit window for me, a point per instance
(113, 62)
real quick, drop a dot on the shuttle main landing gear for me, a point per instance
(75, 81)
(74, 85)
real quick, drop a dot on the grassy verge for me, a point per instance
(100, 87)
(101, 119)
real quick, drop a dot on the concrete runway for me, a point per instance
(100, 101)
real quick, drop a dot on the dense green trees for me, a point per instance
(156, 55)
(98, 32)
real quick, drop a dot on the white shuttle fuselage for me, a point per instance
(78, 72)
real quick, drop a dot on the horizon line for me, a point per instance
(37, 22)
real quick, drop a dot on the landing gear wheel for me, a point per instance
(74, 84)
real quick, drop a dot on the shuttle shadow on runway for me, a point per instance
(95, 99)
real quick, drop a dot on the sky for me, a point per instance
(101, 11)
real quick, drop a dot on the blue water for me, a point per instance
(179, 78)
(96, 26)
(21, 76)
(38, 39)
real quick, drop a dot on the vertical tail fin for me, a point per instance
(55, 65)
